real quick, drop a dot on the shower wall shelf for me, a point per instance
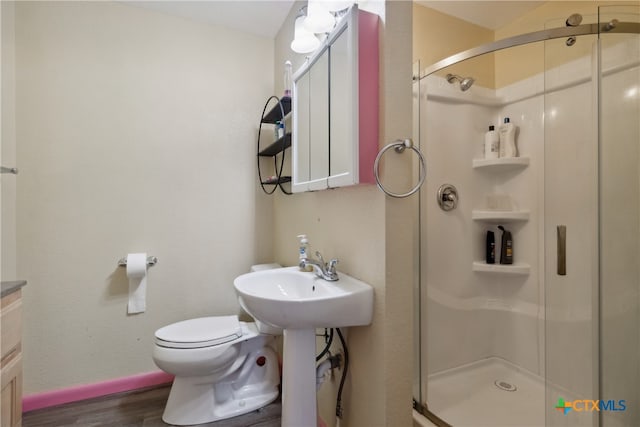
(520, 269)
(500, 216)
(503, 163)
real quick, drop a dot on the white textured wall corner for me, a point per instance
(8, 149)
(136, 133)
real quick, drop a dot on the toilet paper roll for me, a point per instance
(137, 274)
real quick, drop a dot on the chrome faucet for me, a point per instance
(327, 271)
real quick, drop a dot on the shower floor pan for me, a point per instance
(490, 392)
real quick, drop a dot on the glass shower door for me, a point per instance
(619, 220)
(592, 225)
(570, 256)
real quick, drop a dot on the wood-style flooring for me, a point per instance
(135, 409)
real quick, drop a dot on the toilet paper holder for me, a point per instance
(151, 261)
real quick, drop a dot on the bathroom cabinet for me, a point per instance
(335, 108)
(276, 150)
(11, 354)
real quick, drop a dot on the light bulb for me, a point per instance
(337, 5)
(303, 40)
(318, 19)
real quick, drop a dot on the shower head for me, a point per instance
(465, 82)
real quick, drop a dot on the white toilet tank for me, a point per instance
(263, 328)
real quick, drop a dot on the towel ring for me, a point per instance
(399, 146)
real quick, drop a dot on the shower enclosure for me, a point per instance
(554, 338)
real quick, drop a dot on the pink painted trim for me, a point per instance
(368, 62)
(89, 391)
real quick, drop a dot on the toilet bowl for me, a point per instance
(223, 368)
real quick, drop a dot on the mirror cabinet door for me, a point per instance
(300, 149)
(343, 164)
(319, 122)
(335, 108)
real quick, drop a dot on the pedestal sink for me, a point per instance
(300, 302)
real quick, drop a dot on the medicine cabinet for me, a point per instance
(335, 108)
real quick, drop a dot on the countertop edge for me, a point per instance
(11, 286)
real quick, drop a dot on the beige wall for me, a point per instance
(8, 145)
(437, 36)
(136, 133)
(518, 63)
(371, 235)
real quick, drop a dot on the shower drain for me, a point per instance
(503, 385)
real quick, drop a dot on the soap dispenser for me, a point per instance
(303, 251)
(506, 247)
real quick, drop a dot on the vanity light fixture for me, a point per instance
(304, 41)
(338, 5)
(319, 19)
(314, 21)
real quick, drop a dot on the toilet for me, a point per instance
(223, 367)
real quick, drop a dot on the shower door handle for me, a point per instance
(562, 250)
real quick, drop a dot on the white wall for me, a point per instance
(136, 133)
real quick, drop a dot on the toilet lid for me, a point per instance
(201, 332)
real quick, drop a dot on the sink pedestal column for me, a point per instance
(299, 378)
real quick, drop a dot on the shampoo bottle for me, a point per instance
(491, 144)
(507, 133)
(491, 248)
(506, 247)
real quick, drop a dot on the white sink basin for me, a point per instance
(299, 302)
(292, 299)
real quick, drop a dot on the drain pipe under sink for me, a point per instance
(326, 365)
(321, 370)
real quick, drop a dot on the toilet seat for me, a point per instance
(200, 332)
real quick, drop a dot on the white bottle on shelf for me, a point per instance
(507, 133)
(491, 144)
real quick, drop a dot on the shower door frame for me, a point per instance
(420, 404)
(522, 39)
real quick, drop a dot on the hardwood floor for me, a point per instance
(135, 409)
